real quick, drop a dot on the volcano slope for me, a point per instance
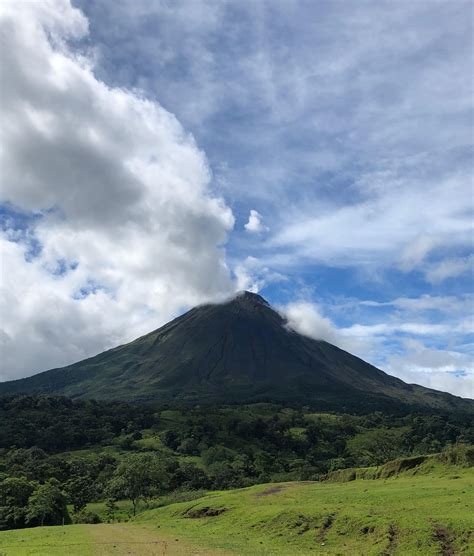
(241, 351)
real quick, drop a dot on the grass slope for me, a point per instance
(397, 509)
(427, 513)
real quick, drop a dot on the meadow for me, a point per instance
(423, 510)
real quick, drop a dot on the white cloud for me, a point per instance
(357, 168)
(123, 197)
(446, 304)
(382, 230)
(416, 251)
(308, 319)
(414, 328)
(247, 279)
(252, 276)
(255, 224)
(402, 356)
(449, 268)
(440, 369)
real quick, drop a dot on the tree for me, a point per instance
(170, 440)
(377, 446)
(14, 495)
(222, 475)
(216, 454)
(138, 477)
(111, 509)
(80, 491)
(189, 476)
(188, 446)
(47, 505)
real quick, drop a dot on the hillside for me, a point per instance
(427, 510)
(421, 509)
(237, 352)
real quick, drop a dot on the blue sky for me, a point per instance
(319, 152)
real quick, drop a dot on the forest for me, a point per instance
(58, 455)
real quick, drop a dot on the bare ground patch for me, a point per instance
(206, 511)
(445, 538)
(269, 491)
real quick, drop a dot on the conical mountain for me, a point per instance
(236, 352)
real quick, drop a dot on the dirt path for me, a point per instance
(121, 539)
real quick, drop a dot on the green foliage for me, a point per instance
(47, 505)
(14, 495)
(201, 448)
(217, 454)
(422, 514)
(189, 446)
(111, 509)
(187, 476)
(426, 514)
(176, 497)
(85, 516)
(137, 477)
(55, 423)
(373, 447)
(80, 491)
(462, 455)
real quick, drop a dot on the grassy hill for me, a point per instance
(412, 506)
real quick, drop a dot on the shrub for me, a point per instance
(84, 516)
(460, 454)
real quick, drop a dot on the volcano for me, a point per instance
(241, 351)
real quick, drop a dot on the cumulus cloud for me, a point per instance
(309, 320)
(255, 224)
(126, 231)
(252, 275)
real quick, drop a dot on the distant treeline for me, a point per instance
(55, 451)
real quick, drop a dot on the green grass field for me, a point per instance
(427, 510)
(412, 514)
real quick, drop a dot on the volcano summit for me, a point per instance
(241, 351)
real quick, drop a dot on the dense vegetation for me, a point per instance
(56, 452)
